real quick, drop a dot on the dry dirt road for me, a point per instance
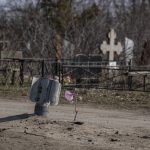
(96, 129)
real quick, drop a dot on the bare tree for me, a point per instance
(30, 30)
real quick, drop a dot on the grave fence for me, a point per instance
(19, 73)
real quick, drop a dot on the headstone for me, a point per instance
(11, 54)
(145, 55)
(95, 59)
(80, 59)
(111, 47)
(44, 92)
(129, 46)
(67, 49)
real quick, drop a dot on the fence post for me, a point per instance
(62, 74)
(21, 72)
(129, 77)
(59, 74)
(42, 63)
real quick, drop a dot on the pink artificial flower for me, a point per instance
(69, 96)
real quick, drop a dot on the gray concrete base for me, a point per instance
(41, 110)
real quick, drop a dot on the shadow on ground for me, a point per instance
(16, 117)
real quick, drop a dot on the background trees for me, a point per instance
(32, 27)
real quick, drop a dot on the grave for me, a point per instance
(44, 92)
(79, 73)
(80, 59)
(95, 60)
(111, 47)
(67, 49)
(12, 68)
(129, 46)
(145, 54)
(87, 68)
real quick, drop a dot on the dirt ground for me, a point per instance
(96, 128)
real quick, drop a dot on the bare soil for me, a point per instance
(96, 128)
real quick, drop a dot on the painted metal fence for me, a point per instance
(19, 72)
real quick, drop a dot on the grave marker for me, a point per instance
(111, 47)
(129, 46)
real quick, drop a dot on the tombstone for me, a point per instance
(80, 59)
(95, 60)
(145, 55)
(15, 70)
(44, 92)
(11, 54)
(111, 47)
(67, 49)
(89, 67)
(129, 46)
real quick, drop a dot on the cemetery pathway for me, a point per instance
(95, 128)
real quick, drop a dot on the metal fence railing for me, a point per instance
(19, 73)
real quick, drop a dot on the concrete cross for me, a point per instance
(111, 47)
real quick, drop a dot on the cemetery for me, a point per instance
(74, 75)
(85, 71)
(93, 80)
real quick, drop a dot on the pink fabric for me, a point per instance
(69, 96)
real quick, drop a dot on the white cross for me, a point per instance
(111, 48)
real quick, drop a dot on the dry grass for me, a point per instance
(97, 97)
(117, 99)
